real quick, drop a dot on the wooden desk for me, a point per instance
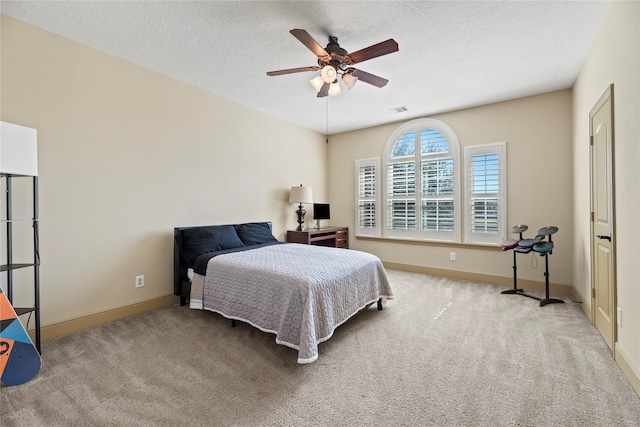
(336, 237)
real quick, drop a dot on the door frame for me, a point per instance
(606, 96)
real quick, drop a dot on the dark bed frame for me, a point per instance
(181, 283)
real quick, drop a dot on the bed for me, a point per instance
(300, 293)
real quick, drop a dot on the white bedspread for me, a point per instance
(301, 293)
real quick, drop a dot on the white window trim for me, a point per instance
(487, 239)
(363, 231)
(454, 149)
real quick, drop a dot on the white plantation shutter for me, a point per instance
(367, 197)
(401, 191)
(401, 214)
(485, 201)
(484, 193)
(437, 194)
(432, 141)
(402, 179)
(421, 177)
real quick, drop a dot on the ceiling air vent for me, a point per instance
(400, 109)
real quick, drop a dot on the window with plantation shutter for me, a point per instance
(485, 196)
(437, 195)
(420, 182)
(367, 198)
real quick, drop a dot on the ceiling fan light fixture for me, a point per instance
(349, 80)
(334, 61)
(334, 89)
(317, 83)
(328, 74)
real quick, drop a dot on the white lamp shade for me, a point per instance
(349, 80)
(328, 74)
(334, 89)
(317, 83)
(18, 150)
(300, 194)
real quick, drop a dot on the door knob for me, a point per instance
(604, 237)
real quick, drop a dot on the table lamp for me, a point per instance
(300, 195)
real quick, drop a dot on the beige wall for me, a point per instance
(126, 155)
(538, 134)
(614, 59)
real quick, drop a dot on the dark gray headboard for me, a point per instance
(181, 283)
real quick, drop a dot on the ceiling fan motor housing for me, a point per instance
(334, 48)
(337, 56)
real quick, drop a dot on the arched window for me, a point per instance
(421, 184)
(417, 194)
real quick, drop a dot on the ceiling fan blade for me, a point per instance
(382, 48)
(324, 90)
(306, 39)
(372, 79)
(293, 70)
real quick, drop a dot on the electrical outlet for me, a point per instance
(139, 281)
(452, 256)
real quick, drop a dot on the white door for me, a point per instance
(603, 296)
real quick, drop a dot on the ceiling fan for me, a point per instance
(334, 60)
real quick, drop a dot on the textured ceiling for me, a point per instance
(453, 54)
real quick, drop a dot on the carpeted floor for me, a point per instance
(443, 353)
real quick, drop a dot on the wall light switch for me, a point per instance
(619, 317)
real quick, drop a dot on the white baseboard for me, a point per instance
(629, 371)
(585, 302)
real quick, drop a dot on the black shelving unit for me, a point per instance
(10, 266)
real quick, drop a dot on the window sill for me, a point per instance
(435, 243)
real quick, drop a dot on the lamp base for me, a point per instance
(301, 213)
